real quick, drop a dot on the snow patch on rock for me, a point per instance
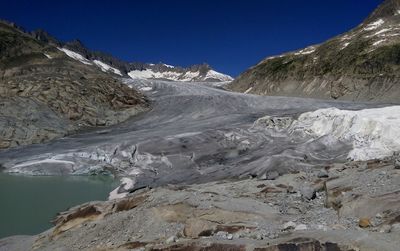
(211, 74)
(378, 42)
(345, 45)
(103, 66)
(306, 51)
(374, 25)
(106, 68)
(248, 90)
(75, 56)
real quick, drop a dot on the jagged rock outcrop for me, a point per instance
(362, 64)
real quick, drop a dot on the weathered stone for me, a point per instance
(171, 239)
(323, 174)
(308, 192)
(364, 223)
(4, 144)
(385, 229)
(271, 175)
(289, 225)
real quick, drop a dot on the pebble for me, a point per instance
(395, 228)
(364, 223)
(397, 164)
(289, 225)
(323, 174)
(222, 234)
(171, 239)
(385, 229)
(308, 192)
(270, 175)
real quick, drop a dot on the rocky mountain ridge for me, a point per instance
(137, 70)
(362, 64)
(44, 94)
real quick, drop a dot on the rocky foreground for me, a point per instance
(341, 207)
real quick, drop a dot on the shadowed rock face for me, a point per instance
(303, 244)
(45, 95)
(362, 64)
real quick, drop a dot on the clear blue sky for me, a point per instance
(229, 35)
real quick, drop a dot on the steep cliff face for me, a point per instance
(45, 94)
(362, 64)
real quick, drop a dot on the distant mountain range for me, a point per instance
(362, 64)
(108, 63)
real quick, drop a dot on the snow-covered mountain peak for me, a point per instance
(161, 71)
(196, 73)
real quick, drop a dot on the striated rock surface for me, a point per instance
(44, 94)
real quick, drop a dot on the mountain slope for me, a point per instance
(45, 94)
(362, 64)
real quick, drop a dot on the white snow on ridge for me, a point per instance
(169, 66)
(374, 25)
(211, 74)
(75, 56)
(188, 76)
(382, 31)
(103, 66)
(248, 90)
(48, 56)
(106, 68)
(305, 51)
(149, 74)
(378, 42)
(345, 45)
(374, 133)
